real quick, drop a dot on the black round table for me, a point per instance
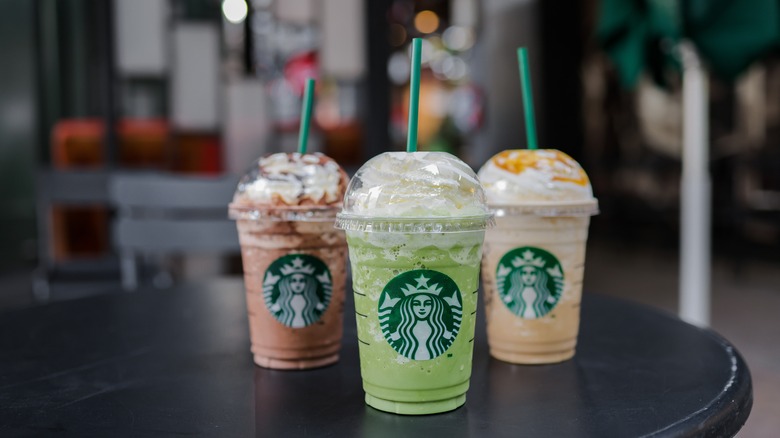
(177, 362)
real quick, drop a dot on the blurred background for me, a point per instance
(181, 96)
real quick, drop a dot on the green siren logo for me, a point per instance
(297, 289)
(420, 313)
(529, 281)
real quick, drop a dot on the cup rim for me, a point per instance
(302, 213)
(414, 225)
(579, 208)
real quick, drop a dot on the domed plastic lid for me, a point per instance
(542, 182)
(414, 192)
(282, 187)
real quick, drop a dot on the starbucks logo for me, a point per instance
(297, 289)
(529, 281)
(420, 313)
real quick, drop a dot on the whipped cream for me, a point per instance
(416, 184)
(531, 176)
(293, 179)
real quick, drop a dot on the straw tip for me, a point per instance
(416, 45)
(308, 102)
(522, 53)
(414, 93)
(309, 86)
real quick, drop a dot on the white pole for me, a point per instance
(695, 193)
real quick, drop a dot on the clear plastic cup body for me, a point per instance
(404, 368)
(517, 259)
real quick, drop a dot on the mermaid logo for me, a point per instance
(297, 289)
(420, 313)
(529, 281)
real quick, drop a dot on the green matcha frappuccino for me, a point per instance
(415, 225)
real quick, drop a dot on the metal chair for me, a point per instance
(164, 214)
(66, 188)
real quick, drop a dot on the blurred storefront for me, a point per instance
(203, 87)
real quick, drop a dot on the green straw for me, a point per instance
(528, 98)
(308, 101)
(414, 96)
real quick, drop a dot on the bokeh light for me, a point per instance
(426, 22)
(398, 68)
(458, 38)
(234, 10)
(397, 35)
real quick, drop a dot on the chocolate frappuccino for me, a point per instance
(294, 260)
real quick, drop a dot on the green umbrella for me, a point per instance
(638, 35)
(632, 32)
(731, 34)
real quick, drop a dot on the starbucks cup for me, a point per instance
(533, 260)
(294, 260)
(415, 223)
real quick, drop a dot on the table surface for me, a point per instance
(177, 362)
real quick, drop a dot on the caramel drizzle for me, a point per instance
(517, 161)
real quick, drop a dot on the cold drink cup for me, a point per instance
(415, 224)
(534, 259)
(294, 259)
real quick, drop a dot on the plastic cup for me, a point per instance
(534, 259)
(415, 224)
(294, 260)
